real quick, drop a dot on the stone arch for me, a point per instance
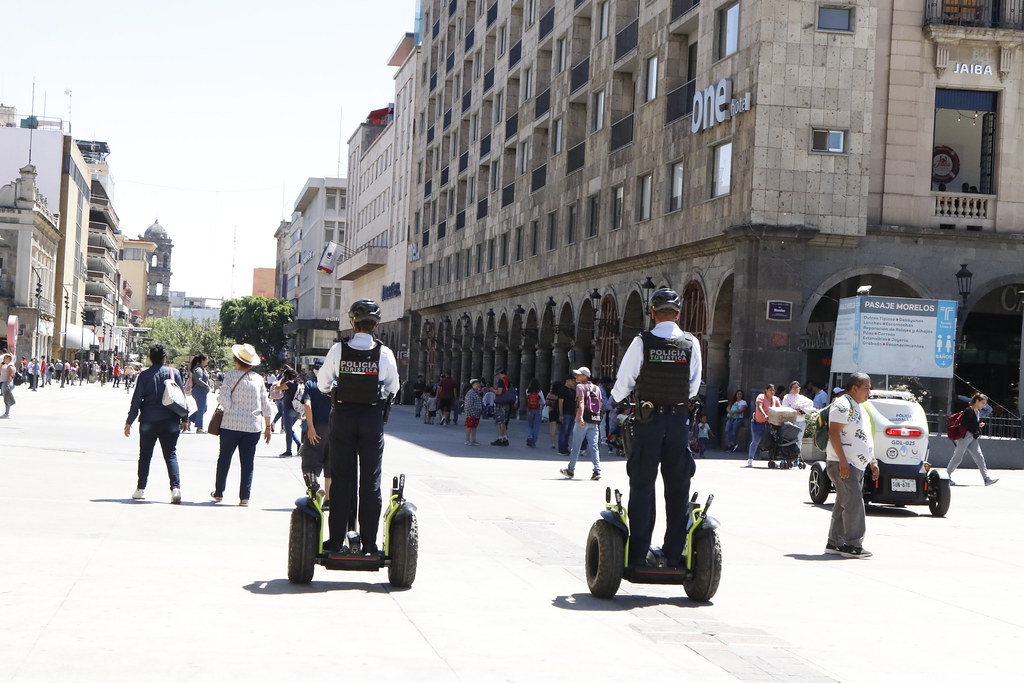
(607, 345)
(633, 318)
(694, 318)
(862, 274)
(991, 354)
(717, 360)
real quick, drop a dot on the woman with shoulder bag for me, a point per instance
(157, 422)
(246, 410)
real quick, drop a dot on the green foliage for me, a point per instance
(187, 337)
(258, 321)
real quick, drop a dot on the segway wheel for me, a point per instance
(606, 559)
(302, 542)
(771, 464)
(707, 567)
(818, 484)
(938, 496)
(404, 546)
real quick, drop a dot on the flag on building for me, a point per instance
(327, 258)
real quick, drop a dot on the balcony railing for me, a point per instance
(452, 6)
(485, 145)
(575, 158)
(1008, 14)
(428, 187)
(957, 206)
(679, 102)
(542, 104)
(539, 178)
(626, 40)
(447, 118)
(511, 126)
(622, 132)
(436, 29)
(442, 229)
(515, 53)
(433, 81)
(492, 13)
(547, 23)
(449, 62)
(681, 7)
(430, 135)
(444, 176)
(470, 37)
(460, 220)
(481, 208)
(508, 194)
(467, 100)
(489, 80)
(580, 75)
(463, 161)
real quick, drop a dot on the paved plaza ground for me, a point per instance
(97, 587)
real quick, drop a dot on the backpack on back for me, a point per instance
(533, 401)
(592, 404)
(955, 429)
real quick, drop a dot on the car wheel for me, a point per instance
(606, 559)
(404, 546)
(707, 567)
(938, 496)
(302, 542)
(818, 484)
(771, 465)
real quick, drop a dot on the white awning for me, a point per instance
(80, 338)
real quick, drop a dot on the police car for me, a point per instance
(905, 477)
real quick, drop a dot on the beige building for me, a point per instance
(134, 265)
(263, 282)
(764, 158)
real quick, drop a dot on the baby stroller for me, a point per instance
(782, 444)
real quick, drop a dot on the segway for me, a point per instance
(608, 549)
(306, 539)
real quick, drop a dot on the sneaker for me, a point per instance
(326, 505)
(831, 548)
(952, 483)
(200, 431)
(565, 472)
(216, 498)
(139, 494)
(497, 442)
(750, 463)
(243, 503)
(854, 552)
(466, 443)
(989, 482)
(595, 476)
(286, 454)
(176, 496)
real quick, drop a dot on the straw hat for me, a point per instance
(246, 353)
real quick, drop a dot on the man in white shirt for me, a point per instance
(663, 366)
(850, 450)
(362, 376)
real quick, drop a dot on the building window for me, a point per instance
(675, 186)
(597, 121)
(518, 246)
(534, 237)
(502, 39)
(531, 11)
(964, 144)
(570, 224)
(495, 179)
(474, 127)
(490, 254)
(728, 31)
(456, 270)
(332, 200)
(552, 230)
(721, 171)
(618, 199)
(504, 249)
(828, 141)
(523, 156)
(466, 264)
(556, 137)
(603, 16)
(329, 231)
(527, 84)
(499, 110)
(561, 56)
(594, 217)
(835, 18)
(479, 258)
(643, 197)
(651, 82)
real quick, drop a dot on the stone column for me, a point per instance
(466, 366)
(476, 367)
(542, 367)
(527, 361)
(560, 363)
(487, 372)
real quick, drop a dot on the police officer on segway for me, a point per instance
(662, 367)
(364, 377)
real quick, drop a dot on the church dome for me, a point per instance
(156, 230)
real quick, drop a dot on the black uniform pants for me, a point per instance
(662, 441)
(356, 447)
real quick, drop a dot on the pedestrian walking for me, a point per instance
(801, 404)
(566, 414)
(736, 412)
(849, 452)
(534, 406)
(764, 401)
(446, 390)
(505, 400)
(117, 374)
(287, 386)
(474, 409)
(363, 375)
(157, 422)
(247, 411)
(554, 423)
(663, 368)
(587, 419)
(200, 385)
(8, 369)
(970, 420)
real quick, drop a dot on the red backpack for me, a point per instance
(533, 401)
(955, 429)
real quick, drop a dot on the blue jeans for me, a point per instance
(532, 426)
(732, 430)
(166, 432)
(197, 417)
(279, 402)
(288, 420)
(756, 432)
(565, 433)
(588, 433)
(245, 442)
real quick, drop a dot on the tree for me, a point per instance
(258, 321)
(187, 337)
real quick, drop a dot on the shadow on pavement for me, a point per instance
(132, 501)
(888, 511)
(820, 557)
(585, 602)
(286, 587)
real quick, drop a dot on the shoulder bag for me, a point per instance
(218, 415)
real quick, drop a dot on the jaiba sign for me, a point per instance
(894, 336)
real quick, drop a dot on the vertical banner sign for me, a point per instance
(895, 336)
(327, 258)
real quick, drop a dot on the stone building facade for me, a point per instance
(158, 284)
(765, 158)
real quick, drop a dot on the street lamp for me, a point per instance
(64, 353)
(963, 284)
(647, 287)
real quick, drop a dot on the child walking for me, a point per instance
(474, 408)
(431, 408)
(704, 433)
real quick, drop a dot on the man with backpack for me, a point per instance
(504, 399)
(588, 419)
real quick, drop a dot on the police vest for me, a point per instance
(359, 375)
(664, 377)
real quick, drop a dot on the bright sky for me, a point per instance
(216, 111)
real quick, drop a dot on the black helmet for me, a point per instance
(364, 309)
(666, 299)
